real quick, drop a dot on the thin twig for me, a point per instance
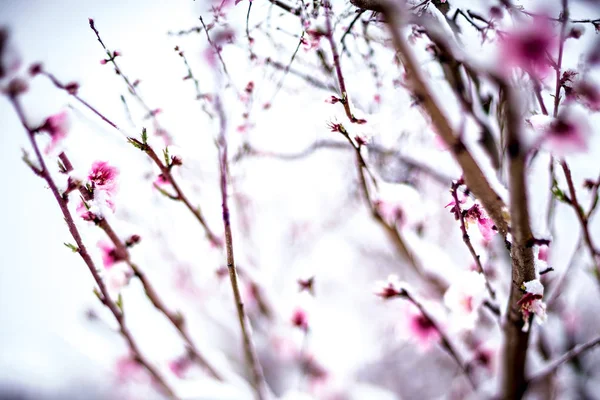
(458, 213)
(131, 86)
(583, 219)
(571, 354)
(246, 329)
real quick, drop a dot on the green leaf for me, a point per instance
(165, 193)
(144, 136)
(119, 302)
(136, 143)
(98, 295)
(558, 193)
(73, 248)
(166, 155)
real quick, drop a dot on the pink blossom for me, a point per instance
(543, 253)
(531, 303)
(417, 327)
(589, 94)
(109, 254)
(128, 369)
(568, 133)
(300, 319)
(180, 366)
(161, 180)
(313, 40)
(103, 176)
(391, 288)
(464, 298)
(485, 224)
(391, 213)
(527, 48)
(57, 126)
(486, 355)
(462, 199)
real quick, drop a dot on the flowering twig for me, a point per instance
(179, 195)
(165, 169)
(251, 356)
(72, 89)
(176, 318)
(112, 55)
(215, 49)
(391, 292)
(338, 68)
(392, 231)
(473, 176)
(458, 213)
(571, 354)
(104, 296)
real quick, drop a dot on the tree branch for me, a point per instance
(82, 250)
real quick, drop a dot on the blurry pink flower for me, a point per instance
(417, 327)
(180, 366)
(56, 126)
(531, 303)
(128, 369)
(109, 254)
(392, 213)
(161, 180)
(528, 48)
(543, 253)
(462, 199)
(568, 133)
(486, 355)
(300, 319)
(311, 40)
(589, 94)
(393, 287)
(485, 224)
(103, 176)
(285, 348)
(464, 298)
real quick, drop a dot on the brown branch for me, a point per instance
(571, 354)
(523, 269)
(246, 329)
(473, 176)
(338, 67)
(82, 250)
(513, 384)
(176, 319)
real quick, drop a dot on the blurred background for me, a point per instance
(297, 213)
